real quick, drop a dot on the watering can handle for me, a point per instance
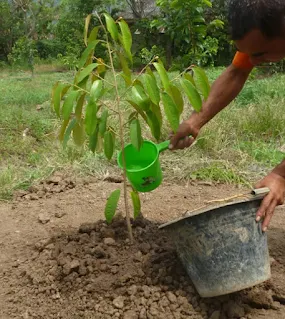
(163, 146)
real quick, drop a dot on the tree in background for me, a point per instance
(68, 29)
(25, 22)
(186, 30)
(180, 32)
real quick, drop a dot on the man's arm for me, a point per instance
(223, 91)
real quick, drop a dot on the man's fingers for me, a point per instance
(263, 208)
(268, 215)
(182, 143)
(175, 140)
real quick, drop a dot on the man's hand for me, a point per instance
(185, 136)
(276, 184)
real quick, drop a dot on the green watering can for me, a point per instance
(143, 166)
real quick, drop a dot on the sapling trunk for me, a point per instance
(121, 123)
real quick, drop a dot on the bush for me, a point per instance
(23, 53)
(49, 48)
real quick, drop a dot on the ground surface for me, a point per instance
(54, 265)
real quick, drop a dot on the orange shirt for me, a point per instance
(242, 61)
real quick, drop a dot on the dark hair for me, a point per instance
(266, 15)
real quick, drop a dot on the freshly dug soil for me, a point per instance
(96, 273)
(93, 271)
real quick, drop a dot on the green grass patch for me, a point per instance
(249, 133)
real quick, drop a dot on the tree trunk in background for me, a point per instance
(168, 51)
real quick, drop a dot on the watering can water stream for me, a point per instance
(143, 166)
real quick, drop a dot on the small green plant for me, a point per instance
(87, 115)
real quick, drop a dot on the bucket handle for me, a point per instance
(260, 191)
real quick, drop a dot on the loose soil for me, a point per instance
(59, 260)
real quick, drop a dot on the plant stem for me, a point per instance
(128, 217)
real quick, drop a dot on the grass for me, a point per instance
(238, 146)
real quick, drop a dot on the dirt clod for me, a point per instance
(43, 218)
(119, 302)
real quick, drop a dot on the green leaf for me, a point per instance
(87, 52)
(208, 3)
(136, 134)
(193, 95)
(91, 117)
(111, 26)
(176, 95)
(126, 71)
(189, 77)
(171, 111)
(78, 133)
(93, 140)
(133, 116)
(202, 81)
(149, 71)
(138, 109)
(111, 205)
(96, 90)
(154, 124)
(109, 144)
(101, 67)
(87, 22)
(138, 82)
(140, 98)
(136, 204)
(62, 130)
(151, 88)
(79, 107)
(69, 103)
(93, 34)
(163, 74)
(157, 111)
(126, 38)
(59, 90)
(103, 122)
(68, 132)
(86, 72)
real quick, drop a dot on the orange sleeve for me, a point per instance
(242, 61)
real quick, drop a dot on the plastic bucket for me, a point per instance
(143, 166)
(222, 249)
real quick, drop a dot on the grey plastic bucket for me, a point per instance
(222, 249)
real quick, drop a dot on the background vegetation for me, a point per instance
(41, 42)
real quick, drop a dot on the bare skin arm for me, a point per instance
(223, 91)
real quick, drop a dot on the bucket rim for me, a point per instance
(245, 199)
(141, 169)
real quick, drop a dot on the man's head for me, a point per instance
(258, 28)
